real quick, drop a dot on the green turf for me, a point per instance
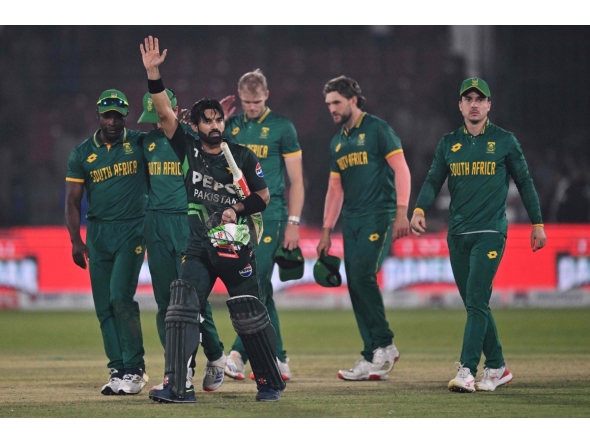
(52, 364)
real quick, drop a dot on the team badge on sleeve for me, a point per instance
(259, 172)
(246, 271)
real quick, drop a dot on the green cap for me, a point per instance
(477, 84)
(290, 263)
(149, 114)
(113, 100)
(326, 271)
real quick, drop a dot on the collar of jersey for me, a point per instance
(483, 130)
(358, 124)
(99, 143)
(261, 118)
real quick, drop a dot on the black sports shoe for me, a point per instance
(267, 394)
(165, 395)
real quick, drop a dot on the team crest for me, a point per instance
(259, 172)
(491, 147)
(338, 147)
(150, 105)
(91, 158)
(361, 139)
(127, 148)
(235, 131)
(264, 132)
(474, 82)
(246, 271)
(152, 146)
(456, 147)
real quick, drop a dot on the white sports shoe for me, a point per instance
(360, 371)
(285, 370)
(464, 382)
(112, 387)
(494, 377)
(189, 380)
(214, 373)
(383, 361)
(235, 367)
(132, 383)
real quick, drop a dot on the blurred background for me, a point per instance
(539, 77)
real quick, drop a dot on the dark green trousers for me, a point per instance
(166, 236)
(475, 259)
(367, 241)
(272, 237)
(116, 253)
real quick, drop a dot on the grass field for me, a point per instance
(52, 365)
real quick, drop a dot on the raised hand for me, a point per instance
(150, 53)
(227, 104)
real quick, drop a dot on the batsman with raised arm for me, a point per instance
(219, 244)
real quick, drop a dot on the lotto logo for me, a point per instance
(493, 254)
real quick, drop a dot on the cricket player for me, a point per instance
(219, 244)
(370, 183)
(166, 234)
(273, 139)
(478, 159)
(110, 166)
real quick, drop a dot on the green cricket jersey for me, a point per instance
(114, 176)
(359, 158)
(478, 169)
(167, 192)
(272, 138)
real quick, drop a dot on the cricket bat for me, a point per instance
(243, 191)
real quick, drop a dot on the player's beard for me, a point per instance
(213, 138)
(344, 118)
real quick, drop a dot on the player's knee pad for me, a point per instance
(182, 334)
(251, 322)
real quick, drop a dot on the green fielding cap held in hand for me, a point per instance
(149, 114)
(326, 271)
(113, 100)
(475, 83)
(290, 262)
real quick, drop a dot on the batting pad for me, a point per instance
(182, 334)
(250, 320)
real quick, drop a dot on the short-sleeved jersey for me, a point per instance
(167, 192)
(209, 182)
(478, 169)
(114, 176)
(272, 138)
(359, 158)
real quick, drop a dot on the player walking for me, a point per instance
(166, 234)
(110, 166)
(273, 139)
(370, 182)
(214, 212)
(478, 160)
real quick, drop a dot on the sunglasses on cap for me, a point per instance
(113, 101)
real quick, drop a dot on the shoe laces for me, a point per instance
(486, 374)
(463, 371)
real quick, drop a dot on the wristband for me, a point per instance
(291, 222)
(294, 219)
(252, 204)
(156, 86)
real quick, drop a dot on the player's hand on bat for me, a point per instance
(80, 254)
(401, 226)
(229, 216)
(227, 104)
(150, 53)
(418, 224)
(291, 239)
(538, 238)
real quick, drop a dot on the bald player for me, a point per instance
(370, 183)
(478, 159)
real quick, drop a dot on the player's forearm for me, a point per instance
(403, 181)
(333, 205)
(73, 214)
(427, 196)
(296, 198)
(530, 199)
(153, 73)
